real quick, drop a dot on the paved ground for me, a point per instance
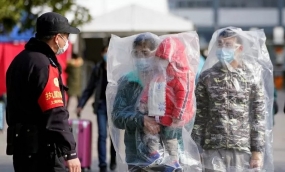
(87, 113)
(278, 146)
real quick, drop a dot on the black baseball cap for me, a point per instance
(53, 23)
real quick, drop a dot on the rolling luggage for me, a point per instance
(82, 131)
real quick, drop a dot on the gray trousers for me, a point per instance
(225, 161)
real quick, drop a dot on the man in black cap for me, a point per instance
(39, 137)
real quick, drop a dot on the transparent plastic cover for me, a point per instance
(151, 101)
(234, 95)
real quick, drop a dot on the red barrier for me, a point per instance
(8, 51)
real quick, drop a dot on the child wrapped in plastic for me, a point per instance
(154, 100)
(234, 97)
(167, 100)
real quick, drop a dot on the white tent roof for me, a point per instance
(134, 18)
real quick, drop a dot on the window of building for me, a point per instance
(223, 3)
(248, 3)
(193, 3)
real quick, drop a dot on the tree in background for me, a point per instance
(25, 12)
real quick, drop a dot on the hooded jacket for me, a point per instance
(180, 80)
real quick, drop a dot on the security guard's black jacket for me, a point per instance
(26, 78)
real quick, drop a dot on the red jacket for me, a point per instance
(180, 82)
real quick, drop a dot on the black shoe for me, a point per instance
(103, 169)
(113, 166)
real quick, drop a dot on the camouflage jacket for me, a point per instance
(230, 110)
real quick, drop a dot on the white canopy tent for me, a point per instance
(125, 21)
(134, 19)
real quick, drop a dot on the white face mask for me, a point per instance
(64, 48)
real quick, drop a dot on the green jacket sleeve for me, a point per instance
(124, 114)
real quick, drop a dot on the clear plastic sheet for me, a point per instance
(234, 95)
(151, 101)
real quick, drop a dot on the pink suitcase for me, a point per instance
(82, 131)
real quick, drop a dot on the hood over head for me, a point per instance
(174, 51)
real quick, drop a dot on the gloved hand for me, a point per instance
(256, 160)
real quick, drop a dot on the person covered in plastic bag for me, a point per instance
(138, 94)
(124, 114)
(168, 98)
(230, 119)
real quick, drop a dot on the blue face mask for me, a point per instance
(144, 64)
(226, 54)
(105, 57)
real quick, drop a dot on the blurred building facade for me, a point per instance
(209, 15)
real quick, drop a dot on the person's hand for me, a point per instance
(143, 108)
(78, 111)
(150, 125)
(256, 160)
(176, 121)
(74, 165)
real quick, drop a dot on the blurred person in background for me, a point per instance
(275, 105)
(200, 67)
(204, 52)
(74, 68)
(98, 82)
